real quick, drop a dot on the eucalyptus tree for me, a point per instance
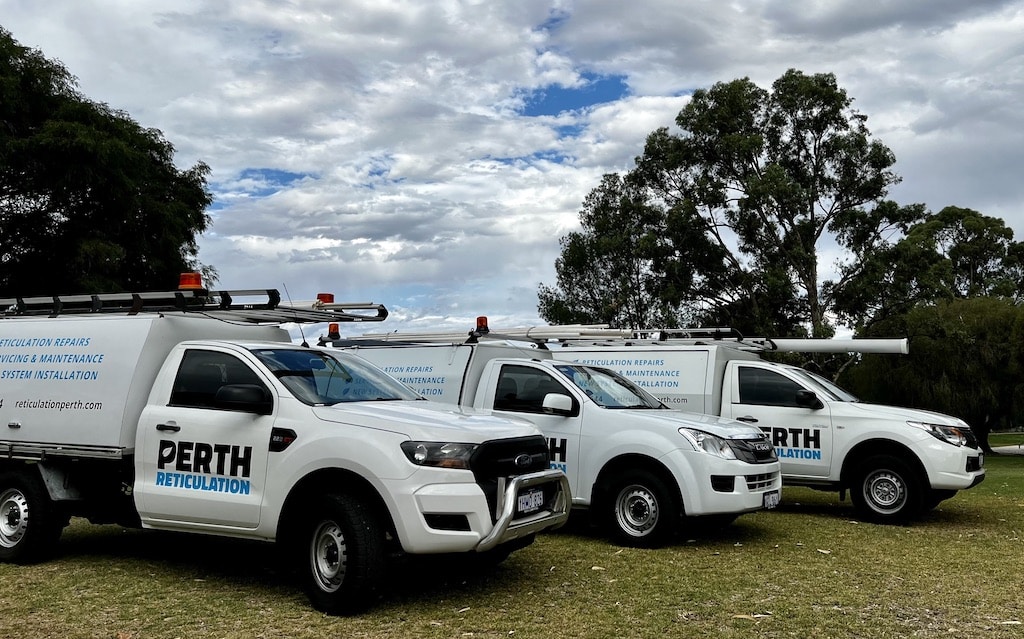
(771, 179)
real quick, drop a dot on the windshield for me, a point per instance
(607, 388)
(318, 377)
(835, 392)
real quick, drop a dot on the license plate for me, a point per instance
(530, 501)
(772, 499)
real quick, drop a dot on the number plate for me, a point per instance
(772, 499)
(530, 501)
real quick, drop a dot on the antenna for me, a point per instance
(302, 334)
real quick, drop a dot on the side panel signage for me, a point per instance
(435, 374)
(677, 383)
(223, 468)
(57, 375)
(795, 443)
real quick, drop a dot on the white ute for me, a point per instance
(896, 462)
(185, 412)
(638, 466)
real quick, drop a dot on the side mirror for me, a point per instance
(247, 398)
(557, 404)
(807, 399)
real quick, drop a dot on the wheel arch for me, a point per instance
(634, 461)
(872, 447)
(327, 481)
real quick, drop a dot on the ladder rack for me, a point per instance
(597, 335)
(224, 305)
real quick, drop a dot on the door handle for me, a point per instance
(748, 419)
(170, 427)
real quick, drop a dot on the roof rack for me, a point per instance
(601, 335)
(216, 304)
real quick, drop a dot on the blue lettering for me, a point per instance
(798, 453)
(203, 483)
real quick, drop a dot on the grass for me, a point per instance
(806, 570)
(1015, 438)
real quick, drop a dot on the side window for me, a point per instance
(202, 373)
(522, 389)
(766, 388)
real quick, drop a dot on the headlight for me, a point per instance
(438, 454)
(949, 434)
(708, 443)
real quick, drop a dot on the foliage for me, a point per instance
(957, 253)
(966, 359)
(766, 177)
(605, 272)
(89, 199)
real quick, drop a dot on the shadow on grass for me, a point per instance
(241, 565)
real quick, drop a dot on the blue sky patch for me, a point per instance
(555, 99)
(266, 182)
(254, 183)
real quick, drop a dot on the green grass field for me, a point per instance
(806, 570)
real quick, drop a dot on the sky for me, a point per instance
(428, 155)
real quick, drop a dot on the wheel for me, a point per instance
(887, 490)
(344, 555)
(30, 523)
(641, 511)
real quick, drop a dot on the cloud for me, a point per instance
(429, 156)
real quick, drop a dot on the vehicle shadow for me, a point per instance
(239, 565)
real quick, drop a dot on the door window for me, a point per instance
(522, 389)
(203, 373)
(766, 388)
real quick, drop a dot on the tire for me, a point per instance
(343, 554)
(887, 490)
(30, 523)
(640, 510)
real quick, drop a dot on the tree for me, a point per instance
(966, 359)
(956, 253)
(767, 177)
(89, 200)
(604, 270)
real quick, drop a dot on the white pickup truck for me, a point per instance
(896, 462)
(173, 415)
(642, 469)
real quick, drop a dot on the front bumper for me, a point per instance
(455, 517)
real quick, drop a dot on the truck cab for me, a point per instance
(643, 470)
(195, 412)
(895, 462)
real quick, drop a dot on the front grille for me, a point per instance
(972, 441)
(497, 460)
(753, 451)
(762, 482)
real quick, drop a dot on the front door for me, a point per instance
(802, 436)
(203, 466)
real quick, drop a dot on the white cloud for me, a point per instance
(414, 181)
